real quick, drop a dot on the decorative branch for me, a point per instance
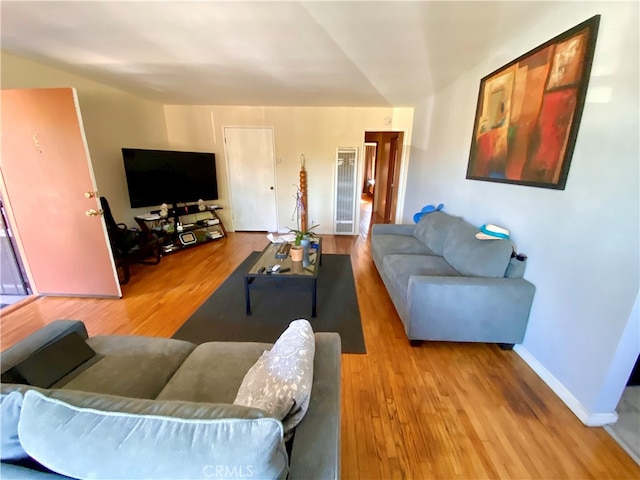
(303, 195)
(298, 209)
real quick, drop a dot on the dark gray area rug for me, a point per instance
(222, 316)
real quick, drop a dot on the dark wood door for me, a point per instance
(392, 181)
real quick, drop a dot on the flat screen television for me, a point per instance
(155, 177)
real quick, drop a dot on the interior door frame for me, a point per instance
(400, 170)
(274, 170)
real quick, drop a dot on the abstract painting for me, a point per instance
(529, 112)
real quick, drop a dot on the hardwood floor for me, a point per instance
(442, 410)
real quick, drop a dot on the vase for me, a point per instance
(306, 260)
(296, 254)
(296, 267)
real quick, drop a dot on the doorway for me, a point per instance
(626, 431)
(386, 160)
(14, 286)
(251, 165)
(369, 177)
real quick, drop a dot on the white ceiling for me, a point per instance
(266, 53)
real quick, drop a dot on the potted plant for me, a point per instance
(297, 215)
(303, 235)
(303, 241)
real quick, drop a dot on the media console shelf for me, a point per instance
(183, 227)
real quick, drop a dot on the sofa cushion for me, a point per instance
(103, 441)
(10, 407)
(384, 244)
(213, 372)
(400, 268)
(16, 462)
(280, 381)
(473, 257)
(132, 366)
(432, 230)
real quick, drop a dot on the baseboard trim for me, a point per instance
(589, 419)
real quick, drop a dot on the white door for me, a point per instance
(251, 167)
(50, 189)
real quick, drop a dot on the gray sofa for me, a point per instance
(160, 378)
(447, 285)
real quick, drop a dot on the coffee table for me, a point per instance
(296, 277)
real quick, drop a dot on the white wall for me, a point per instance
(112, 119)
(315, 132)
(583, 242)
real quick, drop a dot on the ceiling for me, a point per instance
(266, 53)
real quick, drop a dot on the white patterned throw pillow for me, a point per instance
(280, 381)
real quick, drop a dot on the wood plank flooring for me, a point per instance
(442, 410)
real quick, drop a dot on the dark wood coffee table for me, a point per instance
(297, 276)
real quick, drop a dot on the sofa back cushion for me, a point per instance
(131, 366)
(473, 257)
(433, 228)
(98, 436)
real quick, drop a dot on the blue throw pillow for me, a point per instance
(170, 440)
(10, 408)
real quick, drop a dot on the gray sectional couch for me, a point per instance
(448, 285)
(181, 396)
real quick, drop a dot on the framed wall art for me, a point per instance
(529, 111)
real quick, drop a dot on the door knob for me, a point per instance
(90, 194)
(271, 188)
(93, 213)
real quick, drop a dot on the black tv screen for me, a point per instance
(155, 177)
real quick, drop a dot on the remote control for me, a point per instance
(283, 250)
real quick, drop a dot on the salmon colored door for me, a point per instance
(50, 191)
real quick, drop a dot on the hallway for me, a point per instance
(367, 216)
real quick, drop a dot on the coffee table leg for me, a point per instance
(247, 298)
(314, 292)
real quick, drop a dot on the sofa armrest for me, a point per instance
(316, 445)
(392, 229)
(46, 335)
(475, 309)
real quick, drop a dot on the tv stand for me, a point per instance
(176, 213)
(184, 226)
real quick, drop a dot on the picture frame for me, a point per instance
(529, 111)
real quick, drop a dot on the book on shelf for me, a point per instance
(149, 216)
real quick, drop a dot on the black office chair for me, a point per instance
(129, 246)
